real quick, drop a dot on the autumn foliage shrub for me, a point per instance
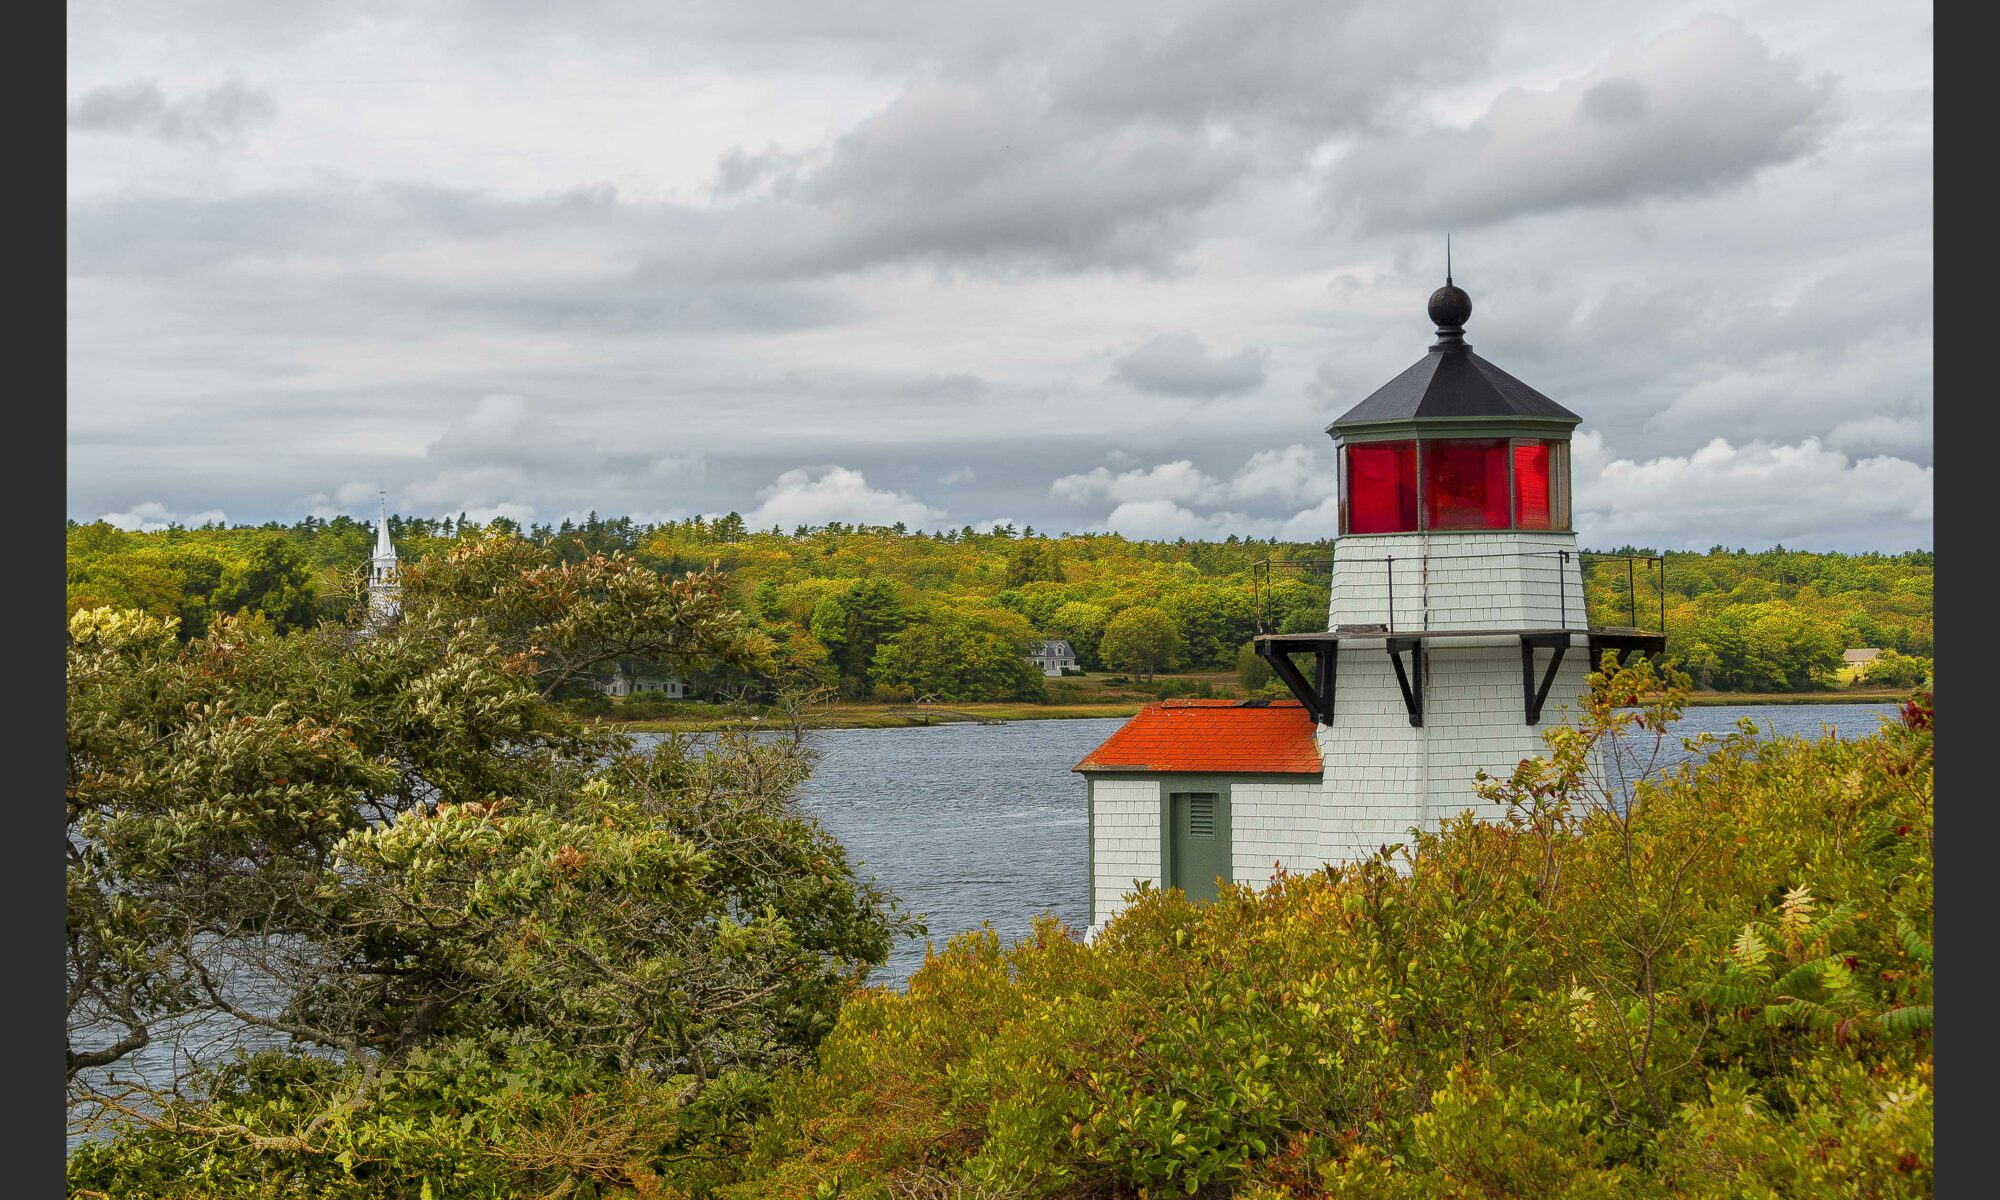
(1714, 981)
(1719, 988)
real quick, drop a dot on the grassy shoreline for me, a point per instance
(908, 716)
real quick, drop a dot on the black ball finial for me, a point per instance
(1450, 308)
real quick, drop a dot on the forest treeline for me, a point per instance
(898, 614)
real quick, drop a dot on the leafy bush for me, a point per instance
(1722, 988)
(1891, 669)
(1253, 670)
(615, 981)
(438, 893)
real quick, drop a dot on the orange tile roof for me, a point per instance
(1212, 736)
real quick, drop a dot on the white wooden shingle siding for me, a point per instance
(1272, 823)
(1483, 580)
(1381, 774)
(1125, 840)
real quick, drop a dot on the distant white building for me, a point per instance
(1860, 656)
(1053, 655)
(622, 682)
(385, 588)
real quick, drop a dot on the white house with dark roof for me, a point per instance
(631, 679)
(1053, 656)
(1456, 633)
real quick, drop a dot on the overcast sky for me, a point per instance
(1080, 265)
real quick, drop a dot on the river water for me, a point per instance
(986, 823)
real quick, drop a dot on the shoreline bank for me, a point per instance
(902, 716)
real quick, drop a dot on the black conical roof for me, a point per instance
(1451, 382)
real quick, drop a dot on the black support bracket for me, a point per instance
(1412, 681)
(1532, 697)
(1316, 694)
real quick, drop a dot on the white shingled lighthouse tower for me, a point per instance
(1456, 633)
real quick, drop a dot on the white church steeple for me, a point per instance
(385, 591)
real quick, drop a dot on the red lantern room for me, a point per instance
(1453, 443)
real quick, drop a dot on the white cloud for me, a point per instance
(1805, 495)
(150, 515)
(1165, 521)
(958, 476)
(816, 495)
(520, 514)
(507, 448)
(1296, 473)
(1180, 481)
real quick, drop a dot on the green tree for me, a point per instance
(1034, 559)
(1082, 625)
(853, 622)
(1253, 671)
(1141, 639)
(273, 581)
(391, 852)
(1891, 669)
(954, 659)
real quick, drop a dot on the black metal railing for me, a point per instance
(1261, 578)
(1631, 585)
(1628, 586)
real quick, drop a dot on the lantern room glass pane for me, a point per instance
(1465, 484)
(1531, 485)
(1382, 487)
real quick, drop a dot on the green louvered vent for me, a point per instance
(1201, 816)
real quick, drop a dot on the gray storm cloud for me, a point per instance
(1694, 110)
(1177, 364)
(205, 115)
(1108, 264)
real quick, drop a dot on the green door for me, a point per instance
(1197, 848)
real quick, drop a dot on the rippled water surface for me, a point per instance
(972, 823)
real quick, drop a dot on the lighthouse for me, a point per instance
(1456, 633)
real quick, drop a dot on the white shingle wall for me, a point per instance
(1459, 581)
(1373, 759)
(1273, 823)
(1473, 711)
(1383, 775)
(1126, 842)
